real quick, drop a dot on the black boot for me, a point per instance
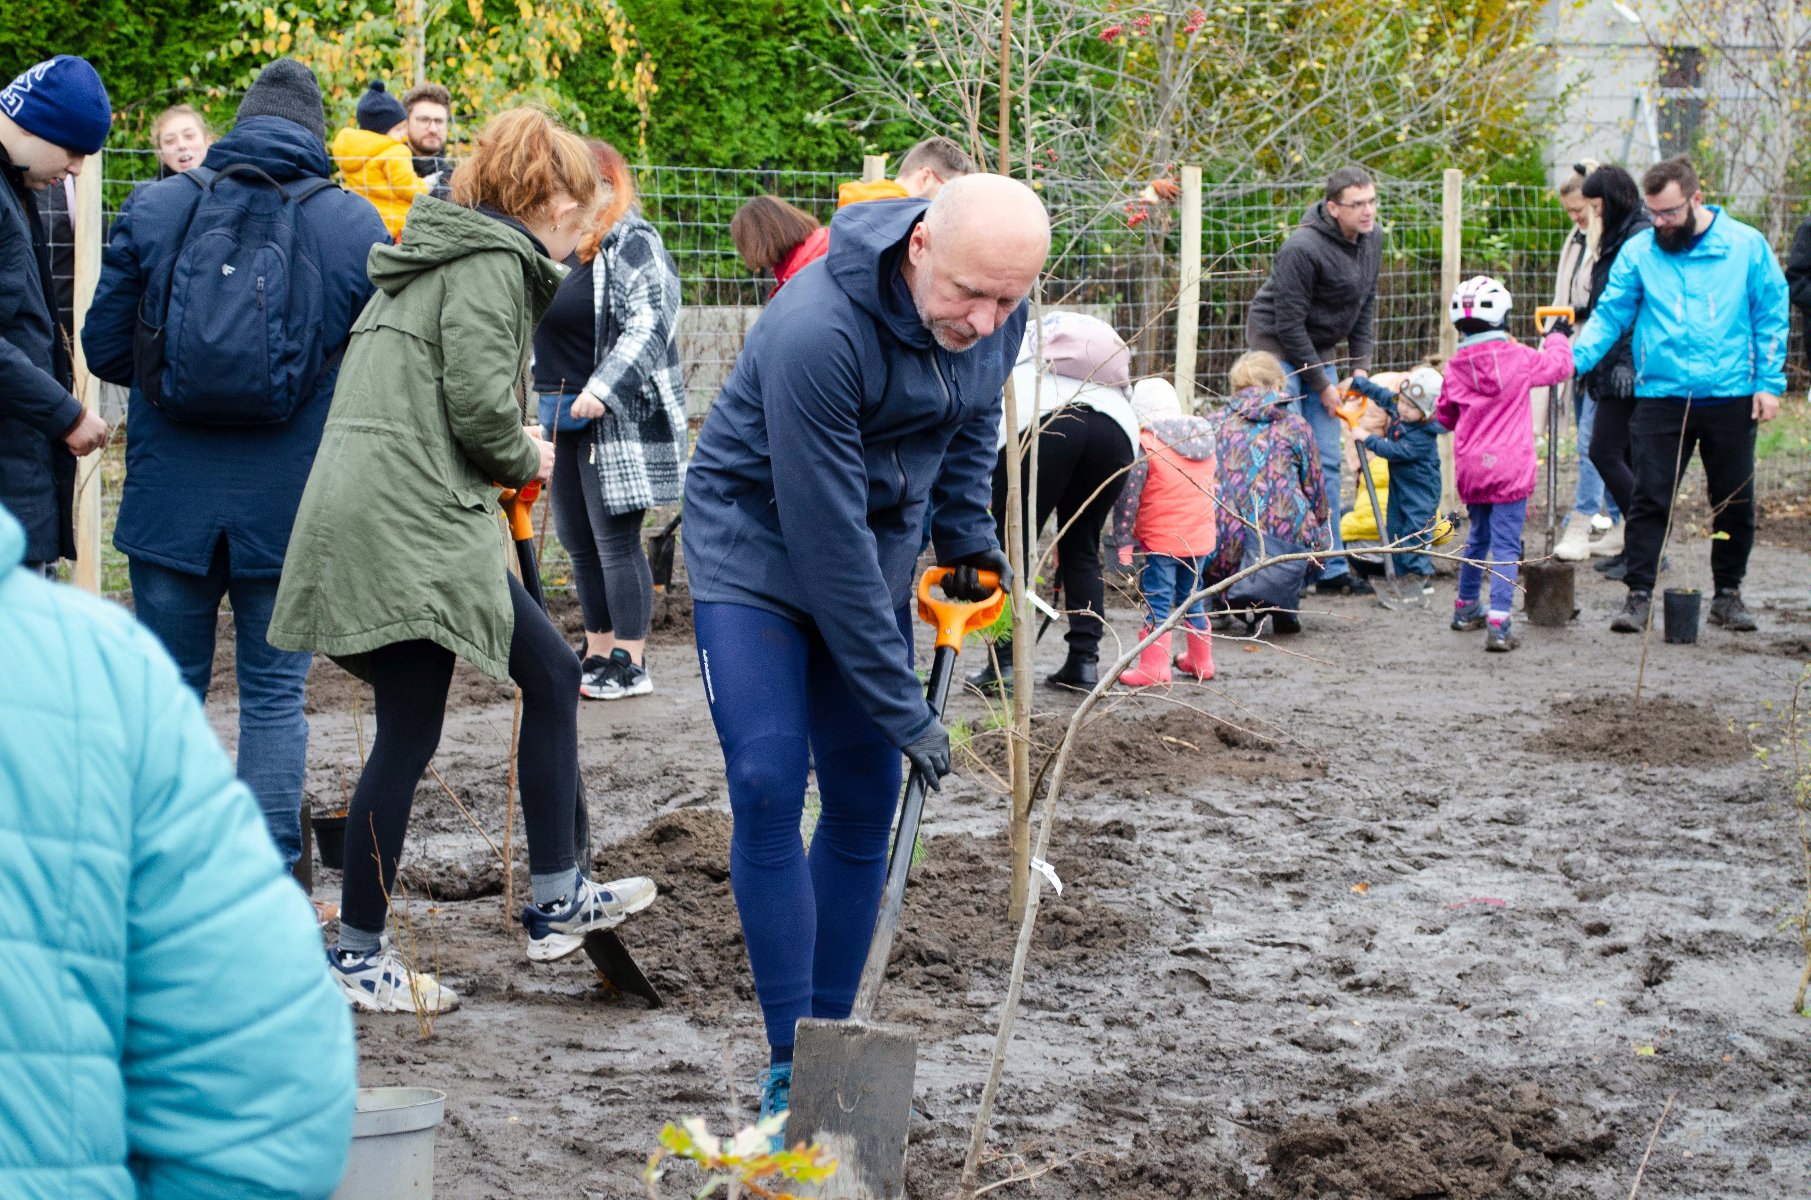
(1078, 671)
(995, 674)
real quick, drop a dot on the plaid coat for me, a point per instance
(641, 438)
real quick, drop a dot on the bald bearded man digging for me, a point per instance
(869, 387)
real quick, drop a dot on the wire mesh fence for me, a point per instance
(1116, 255)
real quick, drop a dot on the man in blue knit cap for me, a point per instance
(52, 117)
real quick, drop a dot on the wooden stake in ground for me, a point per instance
(509, 817)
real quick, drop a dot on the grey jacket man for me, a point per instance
(1322, 291)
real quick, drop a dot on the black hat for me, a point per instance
(379, 111)
(287, 89)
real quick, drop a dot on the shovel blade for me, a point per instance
(852, 1093)
(617, 966)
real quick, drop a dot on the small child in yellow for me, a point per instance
(375, 159)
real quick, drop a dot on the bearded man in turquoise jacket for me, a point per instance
(1707, 301)
(167, 1028)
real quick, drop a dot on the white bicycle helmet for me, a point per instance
(1481, 298)
(1422, 389)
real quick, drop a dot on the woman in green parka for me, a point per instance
(398, 563)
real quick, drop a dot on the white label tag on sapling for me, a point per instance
(1049, 873)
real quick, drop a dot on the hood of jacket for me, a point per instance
(1191, 438)
(867, 244)
(353, 142)
(281, 149)
(1256, 404)
(1478, 363)
(440, 232)
(12, 542)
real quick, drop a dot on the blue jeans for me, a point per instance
(1167, 582)
(181, 610)
(1330, 440)
(1590, 497)
(1494, 541)
(782, 708)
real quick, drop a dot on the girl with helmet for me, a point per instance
(1485, 403)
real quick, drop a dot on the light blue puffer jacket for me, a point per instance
(1710, 321)
(167, 1028)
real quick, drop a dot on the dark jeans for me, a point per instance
(182, 610)
(410, 680)
(1610, 450)
(1079, 449)
(1722, 431)
(609, 567)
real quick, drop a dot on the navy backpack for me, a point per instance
(230, 332)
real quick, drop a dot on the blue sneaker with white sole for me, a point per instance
(592, 908)
(776, 1098)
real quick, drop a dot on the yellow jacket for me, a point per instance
(381, 169)
(855, 191)
(1360, 525)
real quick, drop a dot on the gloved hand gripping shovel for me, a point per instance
(852, 1080)
(616, 967)
(1549, 587)
(1394, 601)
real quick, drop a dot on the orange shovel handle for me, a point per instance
(519, 504)
(1547, 312)
(955, 619)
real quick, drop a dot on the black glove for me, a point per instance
(964, 581)
(929, 753)
(1560, 326)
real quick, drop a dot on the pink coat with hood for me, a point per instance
(1485, 403)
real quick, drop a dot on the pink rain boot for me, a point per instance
(1198, 659)
(1153, 664)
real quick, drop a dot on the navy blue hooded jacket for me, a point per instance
(187, 486)
(1413, 452)
(806, 493)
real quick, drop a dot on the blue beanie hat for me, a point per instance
(63, 101)
(379, 111)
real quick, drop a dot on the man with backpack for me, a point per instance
(227, 296)
(52, 117)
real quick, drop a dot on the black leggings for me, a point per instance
(609, 566)
(410, 680)
(1078, 448)
(1611, 450)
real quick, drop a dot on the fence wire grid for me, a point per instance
(1117, 256)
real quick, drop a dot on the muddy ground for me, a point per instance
(1372, 914)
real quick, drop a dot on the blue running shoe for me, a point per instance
(1469, 615)
(776, 1097)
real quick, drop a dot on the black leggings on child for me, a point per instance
(410, 680)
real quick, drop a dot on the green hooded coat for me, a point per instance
(397, 538)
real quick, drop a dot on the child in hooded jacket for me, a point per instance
(1410, 444)
(1485, 403)
(1167, 509)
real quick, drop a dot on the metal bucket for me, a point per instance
(393, 1144)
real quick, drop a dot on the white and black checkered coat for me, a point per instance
(641, 438)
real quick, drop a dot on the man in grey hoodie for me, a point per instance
(1322, 291)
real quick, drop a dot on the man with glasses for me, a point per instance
(1707, 302)
(430, 108)
(1322, 291)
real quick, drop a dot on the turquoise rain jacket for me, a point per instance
(167, 1027)
(1709, 322)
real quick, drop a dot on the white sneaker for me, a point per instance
(381, 982)
(594, 907)
(1600, 522)
(1610, 544)
(1575, 544)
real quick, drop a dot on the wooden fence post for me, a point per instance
(873, 168)
(1188, 295)
(1452, 211)
(87, 221)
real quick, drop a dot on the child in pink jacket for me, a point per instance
(1485, 403)
(1167, 508)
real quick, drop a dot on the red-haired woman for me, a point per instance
(771, 234)
(613, 404)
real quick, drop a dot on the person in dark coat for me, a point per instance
(207, 510)
(1322, 291)
(1798, 279)
(869, 388)
(52, 117)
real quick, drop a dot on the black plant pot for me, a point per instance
(1680, 609)
(330, 840)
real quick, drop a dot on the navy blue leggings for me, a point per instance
(781, 706)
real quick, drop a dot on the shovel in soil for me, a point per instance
(660, 553)
(852, 1080)
(1394, 601)
(616, 967)
(1549, 596)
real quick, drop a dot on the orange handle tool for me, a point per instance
(955, 619)
(1547, 312)
(519, 504)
